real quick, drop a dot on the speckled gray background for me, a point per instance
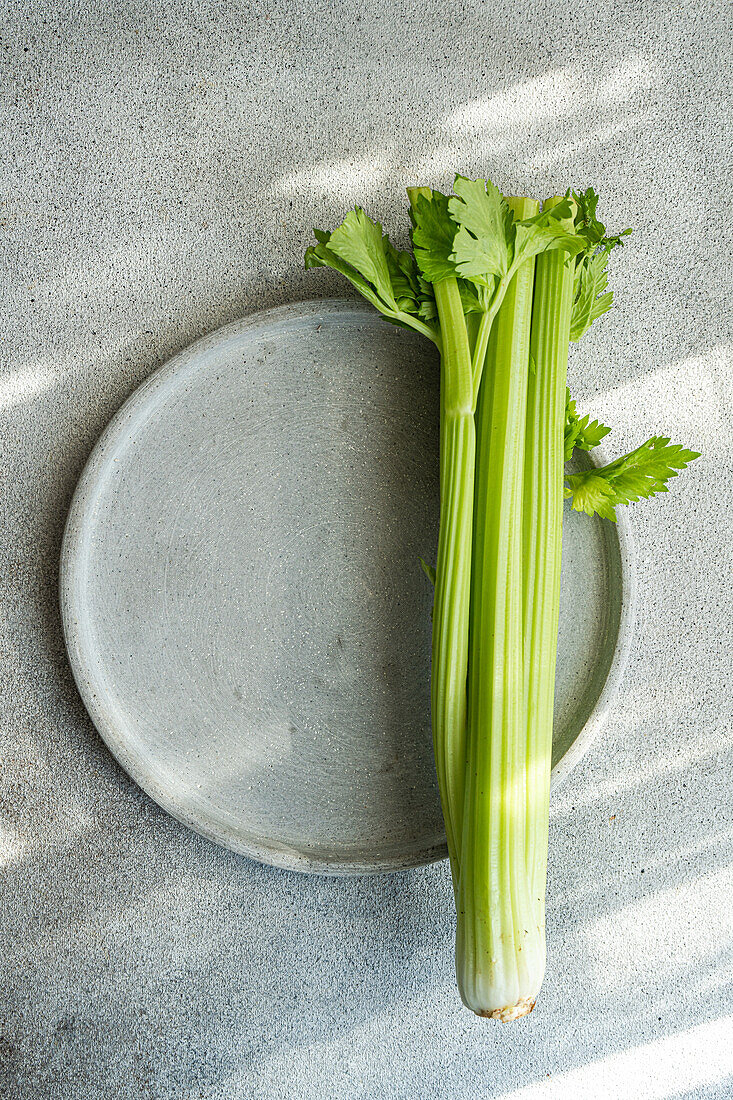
(162, 165)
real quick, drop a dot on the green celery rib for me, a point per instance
(542, 526)
(499, 945)
(453, 568)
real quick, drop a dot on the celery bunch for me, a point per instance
(501, 288)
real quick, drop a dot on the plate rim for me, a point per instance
(82, 501)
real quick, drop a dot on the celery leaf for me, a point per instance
(432, 237)
(580, 432)
(359, 242)
(320, 255)
(591, 297)
(469, 297)
(490, 242)
(639, 474)
(386, 277)
(481, 250)
(413, 293)
(544, 232)
(592, 494)
(428, 570)
(588, 225)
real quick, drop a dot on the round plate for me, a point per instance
(244, 609)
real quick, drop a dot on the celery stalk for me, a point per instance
(470, 284)
(542, 523)
(499, 946)
(453, 567)
(450, 622)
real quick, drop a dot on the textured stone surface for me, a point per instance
(163, 164)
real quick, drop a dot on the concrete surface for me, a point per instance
(162, 166)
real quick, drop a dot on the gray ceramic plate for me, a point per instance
(244, 610)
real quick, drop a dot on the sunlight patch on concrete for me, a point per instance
(25, 384)
(658, 1070)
